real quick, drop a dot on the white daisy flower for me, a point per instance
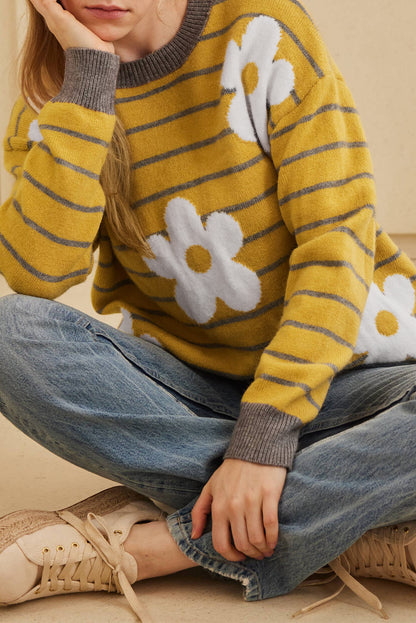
(200, 259)
(257, 79)
(388, 326)
(34, 132)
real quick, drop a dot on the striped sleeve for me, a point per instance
(50, 221)
(326, 195)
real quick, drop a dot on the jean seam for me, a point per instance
(216, 407)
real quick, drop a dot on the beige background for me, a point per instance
(373, 43)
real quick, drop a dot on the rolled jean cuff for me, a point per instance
(202, 552)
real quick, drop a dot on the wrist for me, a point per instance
(90, 79)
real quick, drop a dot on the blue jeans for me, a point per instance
(127, 410)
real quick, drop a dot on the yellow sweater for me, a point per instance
(254, 184)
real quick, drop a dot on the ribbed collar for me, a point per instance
(172, 55)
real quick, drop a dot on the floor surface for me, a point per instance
(32, 477)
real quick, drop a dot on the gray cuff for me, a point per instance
(265, 435)
(90, 79)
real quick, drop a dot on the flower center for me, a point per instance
(198, 258)
(250, 78)
(386, 323)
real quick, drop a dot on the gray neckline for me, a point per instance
(172, 55)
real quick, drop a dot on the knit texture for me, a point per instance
(254, 184)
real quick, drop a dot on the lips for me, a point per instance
(105, 7)
(107, 12)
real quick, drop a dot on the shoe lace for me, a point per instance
(101, 566)
(369, 556)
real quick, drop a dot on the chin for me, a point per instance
(109, 33)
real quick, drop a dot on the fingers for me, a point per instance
(200, 511)
(270, 521)
(221, 539)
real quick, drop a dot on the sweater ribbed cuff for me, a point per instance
(90, 79)
(265, 435)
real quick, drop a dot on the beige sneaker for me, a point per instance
(387, 553)
(74, 550)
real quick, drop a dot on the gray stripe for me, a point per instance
(169, 85)
(107, 264)
(327, 295)
(330, 264)
(68, 164)
(16, 129)
(389, 260)
(333, 219)
(163, 299)
(46, 233)
(304, 51)
(284, 27)
(39, 275)
(61, 200)
(379, 232)
(353, 235)
(253, 348)
(298, 4)
(316, 329)
(233, 208)
(306, 118)
(263, 233)
(147, 275)
(321, 149)
(156, 312)
(84, 137)
(178, 115)
(244, 204)
(182, 150)
(295, 97)
(324, 185)
(13, 169)
(219, 323)
(285, 383)
(116, 286)
(356, 362)
(293, 359)
(199, 181)
(19, 117)
(268, 269)
(412, 279)
(243, 317)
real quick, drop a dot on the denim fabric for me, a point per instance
(126, 409)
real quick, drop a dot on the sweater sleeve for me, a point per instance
(49, 223)
(326, 196)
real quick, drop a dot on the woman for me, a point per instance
(263, 374)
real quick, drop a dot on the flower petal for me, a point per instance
(223, 235)
(164, 262)
(197, 302)
(282, 82)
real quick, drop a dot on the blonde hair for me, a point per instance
(41, 75)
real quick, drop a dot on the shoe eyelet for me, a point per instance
(37, 591)
(45, 550)
(75, 545)
(118, 531)
(406, 530)
(396, 529)
(60, 548)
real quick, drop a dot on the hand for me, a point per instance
(67, 29)
(243, 498)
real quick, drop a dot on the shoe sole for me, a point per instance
(21, 523)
